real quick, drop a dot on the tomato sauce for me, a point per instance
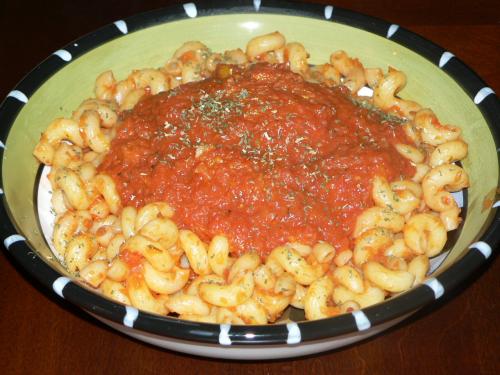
(260, 155)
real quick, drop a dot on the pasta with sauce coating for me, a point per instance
(271, 184)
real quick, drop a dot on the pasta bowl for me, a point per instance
(436, 79)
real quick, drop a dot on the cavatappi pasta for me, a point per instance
(141, 255)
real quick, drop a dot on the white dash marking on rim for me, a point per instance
(224, 334)
(59, 285)
(1, 191)
(362, 321)
(256, 5)
(445, 57)
(2, 145)
(12, 239)
(19, 95)
(294, 335)
(122, 26)
(392, 30)
(482, 247)
(63, 54)
(190, 9)
(436, 287)
(328, 12)
(496, 204)
(131, 314)
(483, 93)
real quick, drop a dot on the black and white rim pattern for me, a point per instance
(225, 334)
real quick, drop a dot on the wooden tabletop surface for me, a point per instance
(41, 334)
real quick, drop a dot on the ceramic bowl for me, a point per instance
(436, 79)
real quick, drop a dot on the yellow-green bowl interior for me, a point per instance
(152, 47)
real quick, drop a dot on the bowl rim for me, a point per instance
(225, 334)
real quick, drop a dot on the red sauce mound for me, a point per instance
(261, 156)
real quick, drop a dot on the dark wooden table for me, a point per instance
(40, 334)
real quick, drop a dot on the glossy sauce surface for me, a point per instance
(260, 155)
